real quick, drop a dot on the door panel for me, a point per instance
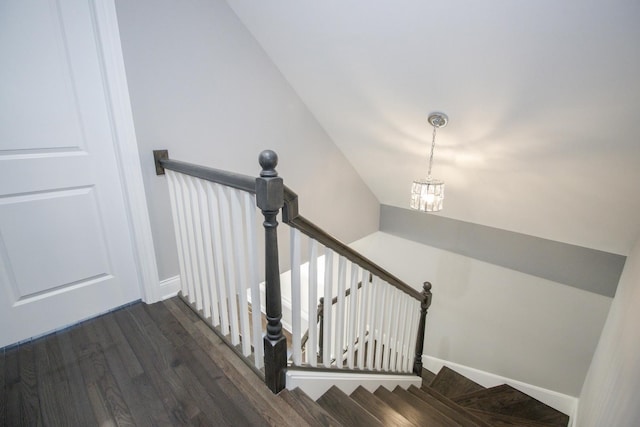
(65, 244)
(36, 67)
(60, 229)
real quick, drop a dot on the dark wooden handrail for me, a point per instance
(310, 229)
(230, 179)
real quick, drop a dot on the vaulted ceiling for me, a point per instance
(543, 98)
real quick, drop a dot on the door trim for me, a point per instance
(126, 146)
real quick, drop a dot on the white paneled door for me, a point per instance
(65, 242)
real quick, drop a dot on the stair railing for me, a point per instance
(214, 216)
(368, 327)
(382, 317)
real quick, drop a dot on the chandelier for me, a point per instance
(427, 194)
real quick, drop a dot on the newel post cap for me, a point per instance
(427, 295)
(269, 186)
(268, 159)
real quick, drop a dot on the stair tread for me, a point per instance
(419, 412)
(506, 400)
(427, 376)
(379, 408)
(451, 404)
(455, 412)
(499, 420)
(312, 413)
(346, 410)
(450, 418)
(452, 384)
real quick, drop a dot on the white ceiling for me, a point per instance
(543, 99)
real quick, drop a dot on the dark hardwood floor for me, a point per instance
(143, 365)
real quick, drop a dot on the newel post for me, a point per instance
(270, 199)
(424, 306)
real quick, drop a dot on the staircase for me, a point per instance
(372, 321)
(215, 225)
(446, 399)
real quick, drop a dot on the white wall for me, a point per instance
(203, 88)
(612, 388)
(495, 319)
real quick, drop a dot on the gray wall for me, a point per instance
(203, 88)
(610, 393)
(584, 268)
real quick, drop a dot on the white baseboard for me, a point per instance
(562, 402)
(315, 383)
(169, 287)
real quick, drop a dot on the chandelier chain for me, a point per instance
(433, 145)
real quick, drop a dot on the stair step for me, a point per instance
(379, 408)
(453, 405)
(499, 420)
(455, 412)
(346, 410)
(421, 414)
(427, 376)
(450, 417)
(451, 384)
(506, 400)
(312, 413)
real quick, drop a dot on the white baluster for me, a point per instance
(218, 259)
(202, 293)
(399, 333)
(395, 340)
(372, 306)
(177, 227)
(353, 314)
(192, 268)
(413, 319)
(327, 307)
(312, 342)
(254, 279)
(406, 330)
(239, 252)
(296, 306)
(188, 277)
(229, 263)
(340, 312)
(365, 296)
(383, 313)
(390, 308)
(211, 298)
